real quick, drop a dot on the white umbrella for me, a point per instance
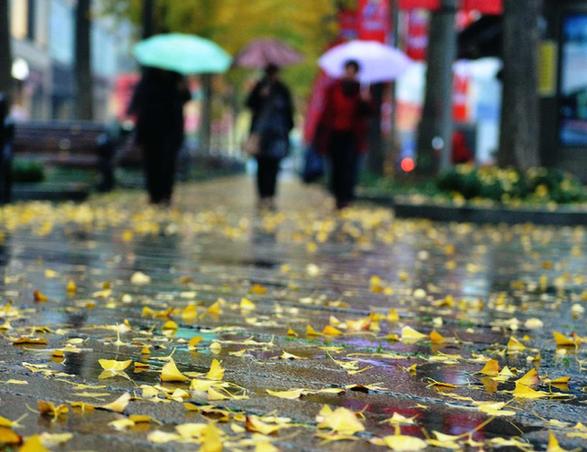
(379, 63)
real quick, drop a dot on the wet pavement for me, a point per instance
(339, 307)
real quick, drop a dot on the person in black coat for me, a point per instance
(6, 138)
(158, 104)
(272, 108)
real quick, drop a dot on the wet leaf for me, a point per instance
(50, 409)
(341, 420)
(514, 345)
(401, 443)
(410, 335)
(33, 444)
(525, 392)
(216, 371)
(290, 394)
(170, 373)
(8, 437)
(491, 368)
(530, 378)
(119, 405)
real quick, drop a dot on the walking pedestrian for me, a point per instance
(6, 138)
(272, 108)
(342, 132)
(158, 104)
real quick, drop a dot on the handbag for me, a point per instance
(313, 166)
(252, 145)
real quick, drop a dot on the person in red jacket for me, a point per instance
(342, 133)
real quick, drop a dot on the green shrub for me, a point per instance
(25, 171)
(541, 185)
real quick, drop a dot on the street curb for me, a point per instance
(479, 215)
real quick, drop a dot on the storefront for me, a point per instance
(563, 86)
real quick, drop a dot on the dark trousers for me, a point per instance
(344, 161)
(267, 171)
(160, 157)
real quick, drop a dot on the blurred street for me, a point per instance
(334, 309)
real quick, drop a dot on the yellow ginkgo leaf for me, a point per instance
(392, 315)
(254, 424)
(33, 444)
(50, 409)
(400, 442)
(194, 341)
(437, 338)
(341, 420)
(247, 305)
(291, 394)
(494, 408)
(553, 444)
(7, 422)
(216, 371)
(122, 424)
(562, 340)
(170, 373)
(190, 430)
(530, 379)
(189, 313)
(526, 392)
(40, 297)
(258, 289)
(514, 345)
(310, 331)
(119, 405)
(215, 309)
(331, 331)
(71, 287)
(170, 325)
(211, 439)
(113, 365)
(410, 335)
(9, 437)
(491, 368)
(558, 381)
(291, 333)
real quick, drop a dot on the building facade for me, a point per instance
(43, 34)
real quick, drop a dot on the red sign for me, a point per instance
(373, 18)
(347, 21)
(419, 4)
(484, 6)
(417, 35)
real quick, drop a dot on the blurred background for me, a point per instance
(67, 63)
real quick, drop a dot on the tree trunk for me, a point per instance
(376, 156)
(206, 117)
(436, 128)
(148, 18)
(83, 58)
(6, 82)
(519, 142)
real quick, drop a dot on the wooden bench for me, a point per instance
(78, 144)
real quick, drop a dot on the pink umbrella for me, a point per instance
(262, 52)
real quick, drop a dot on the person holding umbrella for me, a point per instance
(157, 104)
(271, 105)
(159, 99)
(342, 132)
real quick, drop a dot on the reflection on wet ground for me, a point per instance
(352, 299)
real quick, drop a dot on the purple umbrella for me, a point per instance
(262, 52)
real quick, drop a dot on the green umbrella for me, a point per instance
(186, 54)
